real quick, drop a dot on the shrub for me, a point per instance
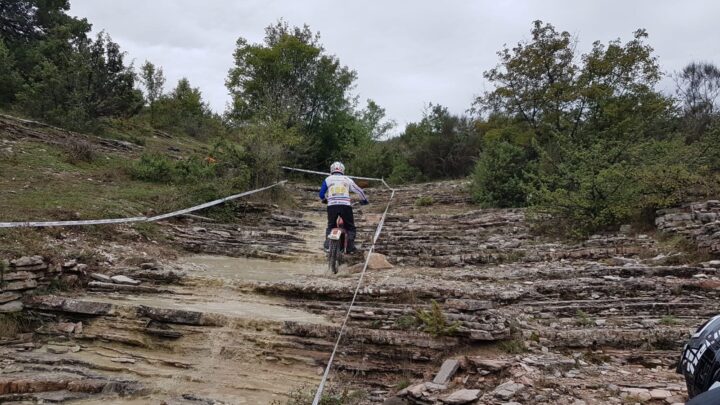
(331, 396)
(583, 318)
(12, 324)
(668, 320)
(424, 201)
(407, 322)
(78, 151)
(159, 168)
(499, 178)
(153, 167)
(402, 384)
(435, 323)
(515, 346)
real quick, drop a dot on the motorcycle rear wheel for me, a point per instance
(334, 256)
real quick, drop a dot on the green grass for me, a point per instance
(514, 346)
(37, 183)
(402, 384)
(12, 324)
(668, 320)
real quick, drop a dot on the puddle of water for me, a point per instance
(241, 268)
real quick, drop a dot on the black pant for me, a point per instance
(346, 213)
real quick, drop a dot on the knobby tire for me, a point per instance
(334, 256)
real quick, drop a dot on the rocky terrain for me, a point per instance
(475, 309)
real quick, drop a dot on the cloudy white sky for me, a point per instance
(406, 52)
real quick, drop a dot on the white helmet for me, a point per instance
(337, 167)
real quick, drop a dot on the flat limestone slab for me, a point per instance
(447, 371)
(10, 307)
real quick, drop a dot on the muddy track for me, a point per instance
(251, 314)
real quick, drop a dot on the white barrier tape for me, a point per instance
(70, 223)
(212, 203)
(293, 169)
(134, 219)
(321, 387)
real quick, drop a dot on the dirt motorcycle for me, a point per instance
(337, 244)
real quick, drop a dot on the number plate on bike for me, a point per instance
(335, 234)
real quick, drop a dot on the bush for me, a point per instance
(435, 323)
(424, 201)
(331, 396)
(407, 322)
(515, 346)
(583, 318)
(159, 168)
(78, 150)
(591, 190)
(14, 323)
(153, 167)
(499, 178)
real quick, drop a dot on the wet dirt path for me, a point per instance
(219, 341)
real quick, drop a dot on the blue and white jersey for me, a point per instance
(337, 188)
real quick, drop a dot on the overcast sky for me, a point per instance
(406, 53)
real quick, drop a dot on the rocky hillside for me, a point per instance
(474, 306)
(476, 309)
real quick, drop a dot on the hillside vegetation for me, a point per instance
(586, 141)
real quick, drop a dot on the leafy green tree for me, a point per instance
(17, 19)
(290, 79)
(83, 81)
(373, 155)
(441, 145)
(591, 118)
(28, 20)
(184, 110)
(503, 172)
(10, 80)
(153, 80)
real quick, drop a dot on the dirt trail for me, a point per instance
(528, 319)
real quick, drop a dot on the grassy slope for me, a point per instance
(38, 182)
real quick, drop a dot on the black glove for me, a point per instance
(364, 202)
(324, 200)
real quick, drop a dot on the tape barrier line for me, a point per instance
(136, 219)
(321, 386)
(70, 223)
(294, 169)
(212, 203)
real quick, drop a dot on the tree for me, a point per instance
(154, 81)
(76, 83)
(18, 19)
(441, 145)
(184, 110)
(698, 88)
(535, 81)
(10, 80)
(291, 80)
(591, 118)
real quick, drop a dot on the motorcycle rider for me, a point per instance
(335, 191)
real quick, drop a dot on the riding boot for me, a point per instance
(351, 242)
(326, 243)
